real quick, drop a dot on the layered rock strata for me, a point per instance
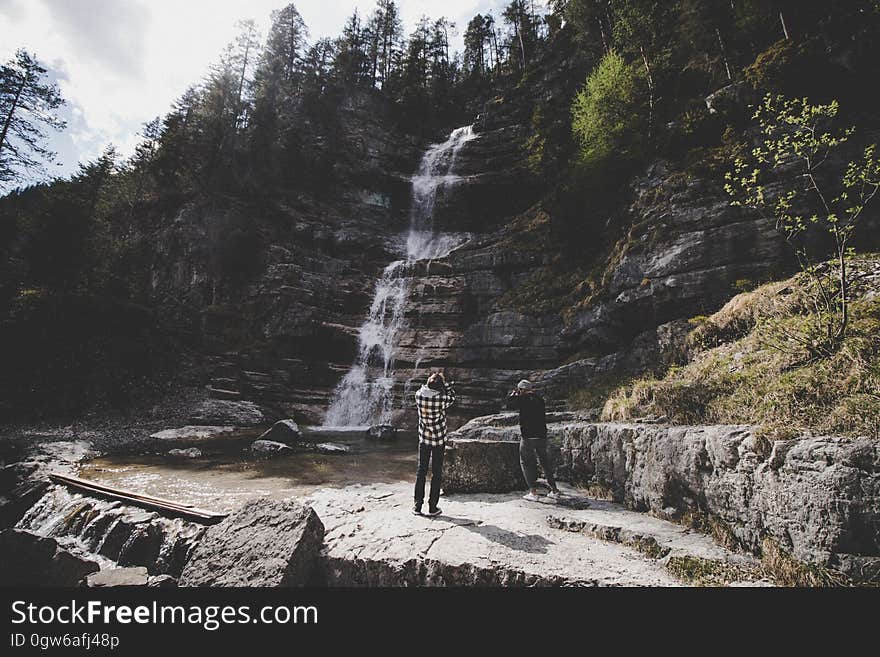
(818, 497)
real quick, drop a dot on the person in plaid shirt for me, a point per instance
(432, 400)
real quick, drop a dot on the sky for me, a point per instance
(121, 63)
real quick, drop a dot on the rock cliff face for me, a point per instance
(683, 257)
(284, 331)
(272, 289)
(817, 497)
(685, 250)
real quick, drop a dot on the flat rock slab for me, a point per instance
(195, 434)
(373, 539)
(265, 543)
(133, 576)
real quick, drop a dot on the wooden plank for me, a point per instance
(164, 506)
(167, 507)
(130, 495)
(98, 486)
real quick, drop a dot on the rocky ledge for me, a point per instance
(372, 539)
(361, 536)
(816, 497)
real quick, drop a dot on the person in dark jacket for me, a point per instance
(533, 438)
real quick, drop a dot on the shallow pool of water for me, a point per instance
(226, 477)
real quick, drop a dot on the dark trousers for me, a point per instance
(532, 450)
(434, 456)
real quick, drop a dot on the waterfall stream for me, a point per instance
(365, 395)
(111, 533)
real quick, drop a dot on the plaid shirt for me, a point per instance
(432, 407)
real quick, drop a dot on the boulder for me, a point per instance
(32, 560)
(134, 576)
(269, 448)
(228, 412)
(482, 466)
(265, 543)
(381, 432)
(332, 448)
(189, 453)
(283, 431)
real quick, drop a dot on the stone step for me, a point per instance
(687, 554)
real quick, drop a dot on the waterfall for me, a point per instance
(366, 393)
(111, 533)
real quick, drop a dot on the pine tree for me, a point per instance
(318, 65)
(28, 105)
(384, 33)
(352, 61)
(286, 41)
(227, 102)
(522, 26)
(477, 38)
(277, 82)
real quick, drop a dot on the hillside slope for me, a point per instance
(752, 363)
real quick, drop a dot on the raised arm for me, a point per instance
(448, 396)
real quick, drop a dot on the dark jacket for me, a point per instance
(532, 415)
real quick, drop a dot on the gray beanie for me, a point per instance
(525, 384)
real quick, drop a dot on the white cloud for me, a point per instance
(120, 63)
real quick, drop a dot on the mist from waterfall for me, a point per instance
(365, 395)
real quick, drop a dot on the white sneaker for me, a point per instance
(554, 494)
(531, 497)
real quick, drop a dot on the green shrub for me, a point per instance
(608, 111)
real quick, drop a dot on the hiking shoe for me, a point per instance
(554, 495)
(417, 511)
(435, 512)
(531, 497)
